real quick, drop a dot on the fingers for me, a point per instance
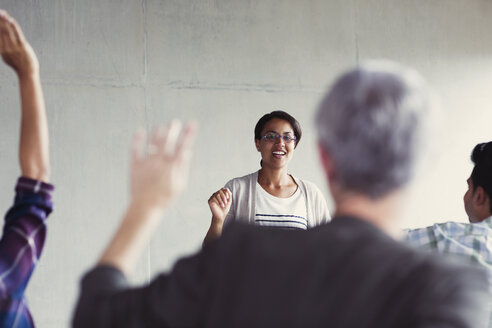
(3, 29)
(156, 140)
(2, 22)
(12, 34)
(183, 148)
(163, 140)
(171, 137)
(16, 51)
(19, 35)
(173, 141)
(222, 197)
(2, 47)
(7, 31)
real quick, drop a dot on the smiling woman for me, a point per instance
(271, 196)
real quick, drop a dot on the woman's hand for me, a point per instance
(16, 51)
(220, 204)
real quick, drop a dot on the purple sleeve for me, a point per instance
(23, 235)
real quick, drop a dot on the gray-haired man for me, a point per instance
(349, 273)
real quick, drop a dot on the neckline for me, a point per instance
(295, 194)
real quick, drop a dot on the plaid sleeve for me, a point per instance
(423, 238)
(23, 236)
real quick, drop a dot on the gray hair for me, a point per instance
(373, 124)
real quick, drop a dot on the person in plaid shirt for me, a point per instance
(24, 231)
(468, 241)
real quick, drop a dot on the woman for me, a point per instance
(270, 197)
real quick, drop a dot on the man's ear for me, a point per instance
(480, 196)
(326, 161)
(481, 202)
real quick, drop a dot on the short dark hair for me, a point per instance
(481, 175)
(280, 114)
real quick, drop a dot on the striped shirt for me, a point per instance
(285, 213)
(21, 244)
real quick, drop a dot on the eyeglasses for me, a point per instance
(274, 137)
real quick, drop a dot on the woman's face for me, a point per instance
(276, 153)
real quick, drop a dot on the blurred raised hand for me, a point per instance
(159, 174)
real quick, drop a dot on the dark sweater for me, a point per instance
(345, 274)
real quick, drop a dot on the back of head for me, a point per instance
(481, 175)
(372, 123)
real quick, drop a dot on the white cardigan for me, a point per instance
(243, 191)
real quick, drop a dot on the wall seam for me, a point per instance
(355, 12)
(146, 113)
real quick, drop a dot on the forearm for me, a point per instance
(34, 139)
(214, 231)
(132, 236)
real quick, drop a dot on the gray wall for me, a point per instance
(109, 66)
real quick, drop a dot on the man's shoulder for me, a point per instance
(456, 290)
(373, 244)
(380, 268)
(430, 282)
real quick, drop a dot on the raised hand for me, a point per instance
(160, 174)
(15, 50)
(220, 204)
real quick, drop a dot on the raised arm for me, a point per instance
(158, 177)
(24, 231)
(34, 145)
(159, 174)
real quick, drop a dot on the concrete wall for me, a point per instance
(109, 66)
